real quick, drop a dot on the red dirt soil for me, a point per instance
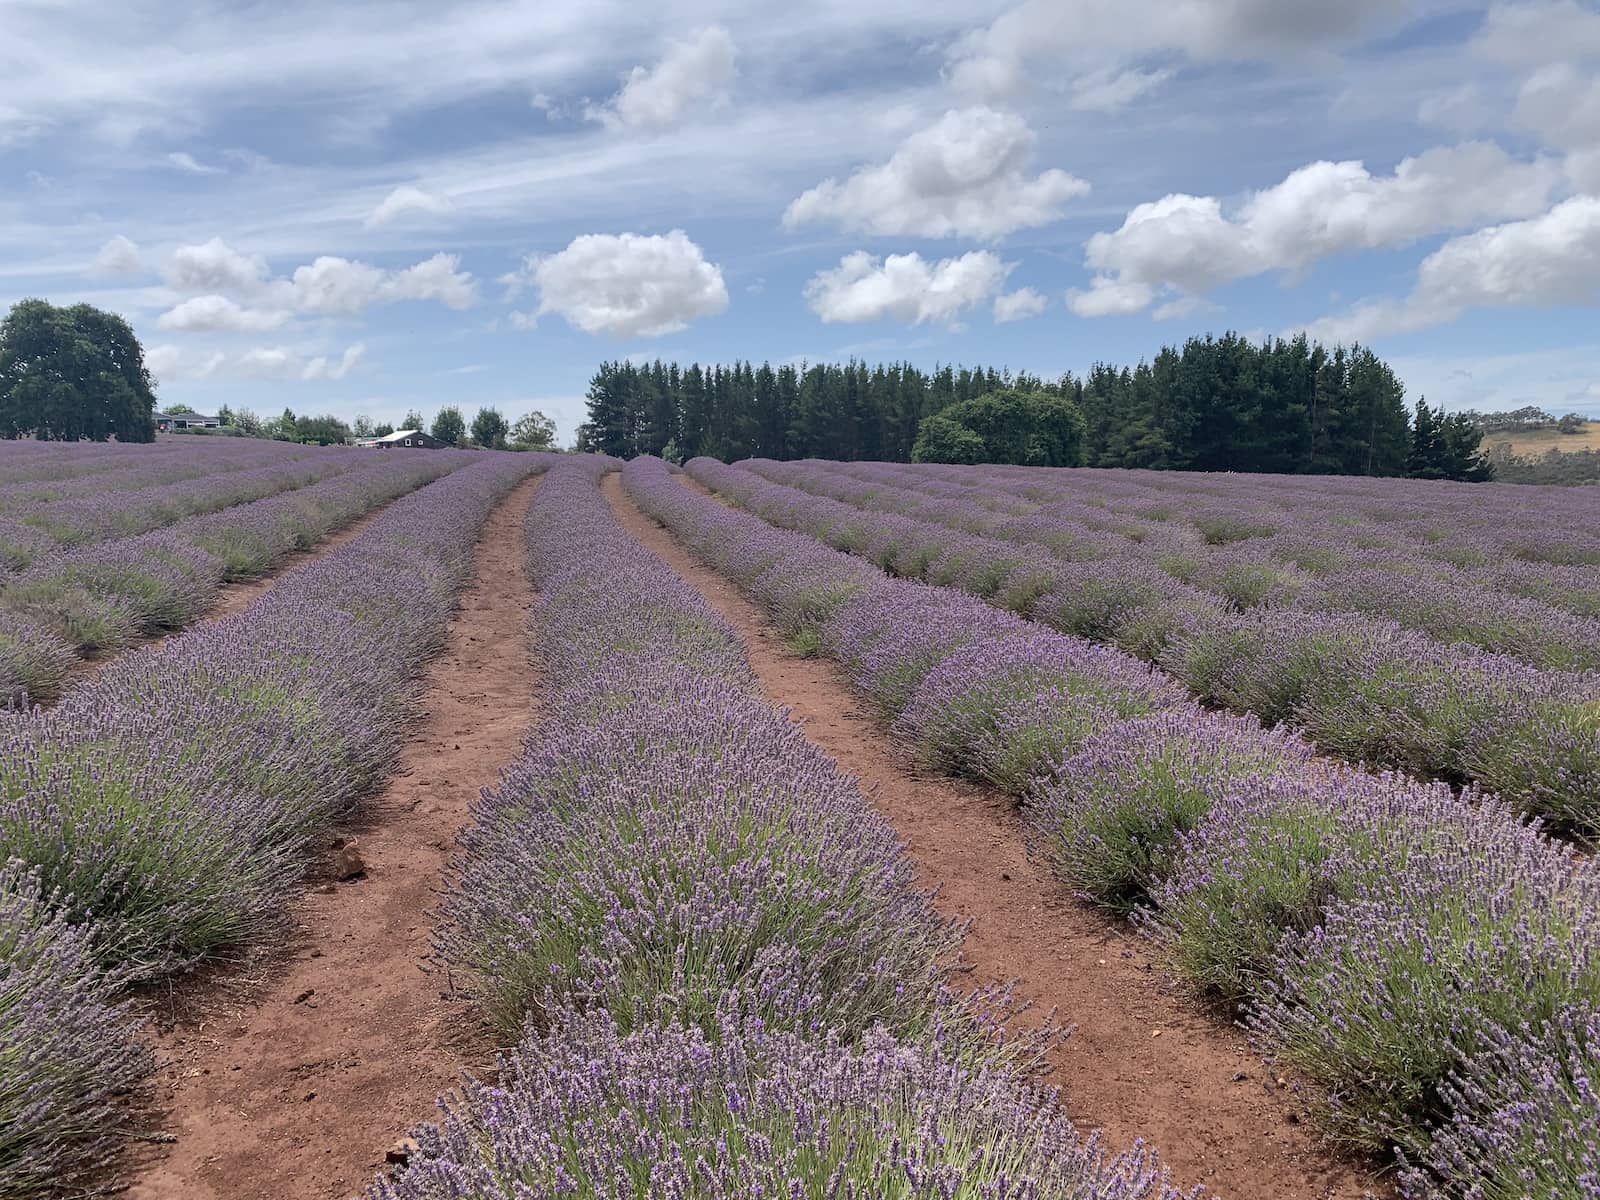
(1143, 1061)
(292, 1084)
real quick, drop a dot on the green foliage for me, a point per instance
(73, 373)
(382, 429)
(1446, 446)
(413, 420)
(534, 431)
(321, 431)
(489, 429)
(449, 426)
(943, 440)
(1215, 404)
(1026, 428)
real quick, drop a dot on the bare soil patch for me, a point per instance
(290, 1077)
(1144, 1061)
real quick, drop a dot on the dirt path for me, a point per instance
(292, 1085)
(1142, 1062)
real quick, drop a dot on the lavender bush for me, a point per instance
(67, 1045)
(590, 1111)
(1111, 817)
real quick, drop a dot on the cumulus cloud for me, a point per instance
(1019, 305)
(1550, 259)
(625, 285)
(218, 314)
(904, 287)
(173, 364)
(998, 59)
(694, 71)
(1539, 32)
(278, 362)
(215, 266)
(328, 285)
(964, 176)
(408, 199)
(119, 256)
(1191, 244)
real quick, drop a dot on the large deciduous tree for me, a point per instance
(535, 431)
(73, 373)
(489, 429)
(449, 426)
(1027, 428)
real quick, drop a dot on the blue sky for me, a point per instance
(373, 206)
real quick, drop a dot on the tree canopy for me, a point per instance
(448, 426)
(534, 431)
(1026, 428)
(73, 373)
(1214, 404)
(489, 429)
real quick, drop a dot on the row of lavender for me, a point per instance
(1432, 962)
(162, 812)
(1528, 590)
(1358, 687)
(152, 487)
(98, 598)
(708, 943)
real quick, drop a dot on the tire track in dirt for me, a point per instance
(1143, 1061)
(290, 1079)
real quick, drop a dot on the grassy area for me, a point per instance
(1537, 441)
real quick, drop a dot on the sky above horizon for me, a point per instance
(368, 207)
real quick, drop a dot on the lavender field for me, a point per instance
(1328, 748)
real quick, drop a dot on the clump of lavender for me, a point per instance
(33, 661)
(1408, 983)
(1524, 1118)
(1134, 605)
(1006, 711)
(67, 1047)
(594, 1113)
(1111, 817)
(650, 864)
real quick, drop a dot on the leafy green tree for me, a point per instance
(534, 431)
(1011, 426)
(322, 431)
(73, 373)
(944, 440)
(246, 421)
(413, 420)
(489, 429)
(362, 426)
(287, 427)
(448, 426)
(382, 429)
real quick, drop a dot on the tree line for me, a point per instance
(1215, 404)
(489, 429)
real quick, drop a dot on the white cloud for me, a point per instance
(1019, 305)
(215, 266)
(1537, 33)
(998, 60)
(278, 362)
(905, 287)
(408, 199)
(322, 368)
(335, 286)
(1109, 90)
(185, 161)
(695, 71)
(218, 314)
(119, 256)
(438, 278)
(626, 285)
(1548, 260)
(1109, 297)
(964, 176)
(1189, 243)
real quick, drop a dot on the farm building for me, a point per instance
(415, 439)
(167, 422)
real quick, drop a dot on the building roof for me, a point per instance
(400, 433)
(183, 416)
